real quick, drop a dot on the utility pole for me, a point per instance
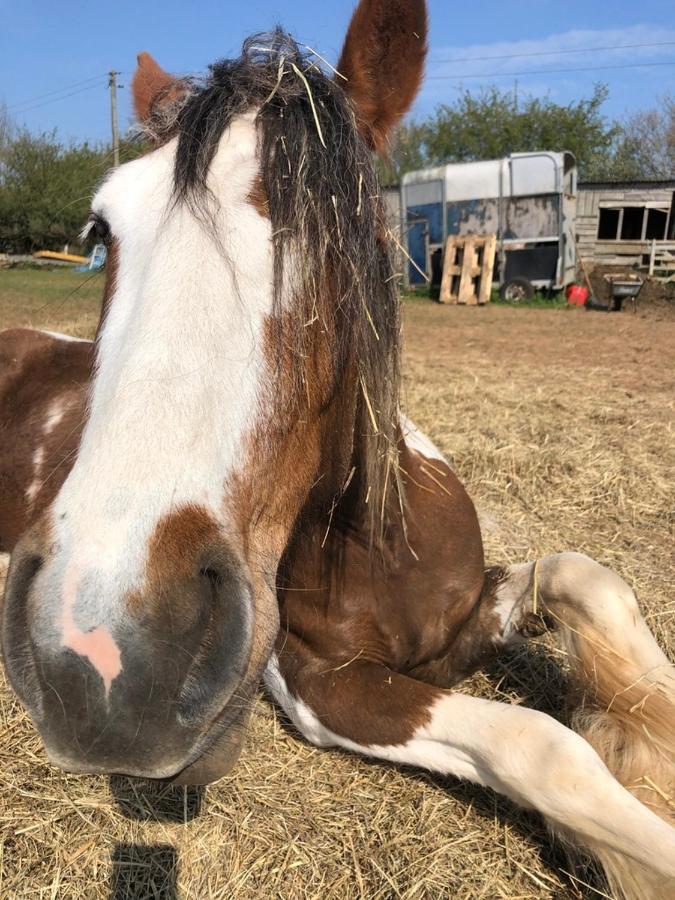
(112, 84)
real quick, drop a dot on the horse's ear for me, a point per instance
(383, 62)
(152, 86)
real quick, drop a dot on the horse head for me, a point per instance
(246, 369)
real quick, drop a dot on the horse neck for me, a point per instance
(316, 550)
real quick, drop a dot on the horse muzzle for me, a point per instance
(162, 688)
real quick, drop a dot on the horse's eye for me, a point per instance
(100, 229)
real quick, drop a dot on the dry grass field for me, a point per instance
(561, 425)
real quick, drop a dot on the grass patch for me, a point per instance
(51, 299)
(539, 301)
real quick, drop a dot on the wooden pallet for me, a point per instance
(467, 269)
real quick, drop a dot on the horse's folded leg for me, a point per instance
(624, 683)
(524, 754)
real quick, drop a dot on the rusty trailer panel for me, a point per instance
(527, 200)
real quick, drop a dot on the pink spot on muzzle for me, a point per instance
(98, 645)
(100, 649)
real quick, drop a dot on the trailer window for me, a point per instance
(608, 226)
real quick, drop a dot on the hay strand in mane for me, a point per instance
(328, 231)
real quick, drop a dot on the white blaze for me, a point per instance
(180, 369)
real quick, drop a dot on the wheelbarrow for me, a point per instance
(624, 289)
(621, 288)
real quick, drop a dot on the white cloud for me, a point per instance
(470, 68)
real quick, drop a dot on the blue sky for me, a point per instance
(44, 51)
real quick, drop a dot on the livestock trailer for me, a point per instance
(527, 199)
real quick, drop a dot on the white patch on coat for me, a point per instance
(297, 710)
(33, 488)
(417, 440)
(54, 415)
(66, 337)
(181, 372)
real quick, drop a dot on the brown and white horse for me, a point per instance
(246, 502)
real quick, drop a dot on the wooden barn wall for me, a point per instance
(588, 212)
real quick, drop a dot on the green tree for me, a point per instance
(46, 189)
(406, 153)
(493, 123)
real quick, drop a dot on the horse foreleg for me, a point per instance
(626, 683)
(522, 753)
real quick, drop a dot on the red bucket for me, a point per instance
(576, 295)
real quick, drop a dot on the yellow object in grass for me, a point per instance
(63, 257)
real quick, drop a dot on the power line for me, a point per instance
(554, 52)
(567, 71)
(460, 59)
(82, 90)
(66, 87)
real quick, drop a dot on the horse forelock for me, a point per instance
(318, 187)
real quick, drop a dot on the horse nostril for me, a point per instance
(213, 588)
(26, 569)
(225, 627)
(16, 644)
(22, 572)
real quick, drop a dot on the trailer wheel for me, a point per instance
(516, 289)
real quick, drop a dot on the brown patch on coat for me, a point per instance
(180, 541)
(413, 611)
(383, 62)
(180, 549)
(257, 197)
(37, 371)
(362, 701)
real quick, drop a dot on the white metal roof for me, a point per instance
(520, 174)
